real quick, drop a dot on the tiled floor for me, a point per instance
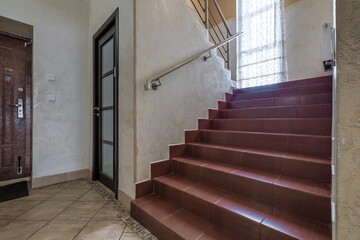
(74, 210)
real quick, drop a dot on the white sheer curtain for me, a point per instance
(261, 48)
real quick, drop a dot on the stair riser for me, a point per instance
(308, 111)
(217, 155)
(290, 84)
(267, 233)
(304, 204)
(299, 126)
(318, 172)
(284, 101)
(296, 91)
(312, 145)
(236, 225)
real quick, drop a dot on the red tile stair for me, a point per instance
(258, 168)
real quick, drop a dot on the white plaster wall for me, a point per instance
(60, 129)
(166, 35)
(99, 12)
(303, 21)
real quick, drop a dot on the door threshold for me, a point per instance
(8, 182)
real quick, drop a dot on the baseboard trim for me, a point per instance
(58, 178)
(8, 182)
(124, 199)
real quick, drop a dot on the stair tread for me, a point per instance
(186, 225)
(304, 186)
(264, 133)
(310, 99)
(215, 234)
(276, 107)
(207, 193)
(267, 119)
(289, 84)
(300, 157)
(224, 167)
(295, 226)
(158, 208)
(177, 182)
(257, 175)
(244, 207)
(259, 99)
(288, 89)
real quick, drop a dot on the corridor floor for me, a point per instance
(74, 210)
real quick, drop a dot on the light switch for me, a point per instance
(51, 77)
(51, 98)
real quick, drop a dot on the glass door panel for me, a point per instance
(107, 108)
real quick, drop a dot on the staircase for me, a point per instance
(258, 168)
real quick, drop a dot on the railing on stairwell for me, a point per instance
(221, 43)
(216, 35)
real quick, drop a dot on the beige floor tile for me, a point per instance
(108, 230)
(80, 211)
(106, 214)
(81, 184)
(10, 214)
(41, 194)
(68, 194)
(3, 222)
(20, 230)
(59, 230)
(130, 236)
(20, 204)
(93, 196)
(46, 210)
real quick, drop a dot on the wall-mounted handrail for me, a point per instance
(154, 82)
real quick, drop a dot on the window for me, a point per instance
(261, 48)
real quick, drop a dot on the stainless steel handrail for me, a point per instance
(154, 82)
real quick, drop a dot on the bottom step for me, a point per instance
(167, 220)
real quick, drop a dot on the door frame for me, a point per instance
(113, 20)
(28, 92)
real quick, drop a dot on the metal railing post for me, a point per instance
(207, 14)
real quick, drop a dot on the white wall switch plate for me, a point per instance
(51, 77)
(51, 98)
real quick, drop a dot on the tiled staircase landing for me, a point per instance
(258, 168)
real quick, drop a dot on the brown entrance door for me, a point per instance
(15, 107)
(106, 103)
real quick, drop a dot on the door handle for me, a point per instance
(96, 111)
(19, 105)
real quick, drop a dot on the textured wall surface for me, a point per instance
(348, 60)
(99, 12)
(60, 129)
(166, 35)
(303, 21)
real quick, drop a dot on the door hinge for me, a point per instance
(114, 72)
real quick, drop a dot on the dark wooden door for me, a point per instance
(106, 104)
(14, 108)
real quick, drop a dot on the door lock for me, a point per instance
(20, 107)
